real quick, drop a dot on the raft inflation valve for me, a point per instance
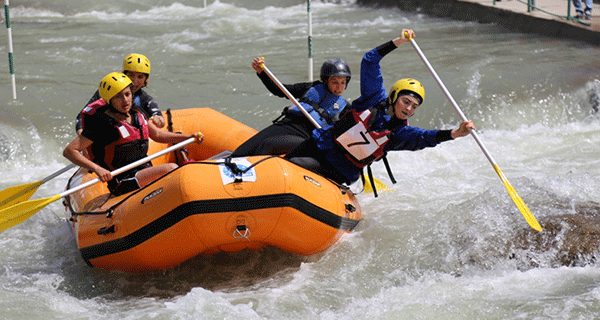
(241, 232)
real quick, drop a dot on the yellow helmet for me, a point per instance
(112, 84)
(410, 85)
(136, 62)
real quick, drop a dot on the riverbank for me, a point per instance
(548, 19)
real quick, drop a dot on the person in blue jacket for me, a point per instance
(375, 124)
(322, 99)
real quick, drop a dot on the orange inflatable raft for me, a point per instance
(210, 205)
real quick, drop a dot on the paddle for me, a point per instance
(367, 187)
(23, 192)
(511, 191)
(289, 95)
(379, 186)
(15, 214)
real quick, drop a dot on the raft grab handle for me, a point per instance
(237, 233)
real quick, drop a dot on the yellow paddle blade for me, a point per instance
(15, 214)
(381, 187)
(17, 194)
(518, 201)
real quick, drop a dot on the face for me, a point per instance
(336, 85)
(122, 100)
(139, 79)
(405, 107)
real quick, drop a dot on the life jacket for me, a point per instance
(145, 104)
(361, 145)
(89, 110)
(136, 102)
(131, 146)
(358, 137)
(321, 105)
(93, 107)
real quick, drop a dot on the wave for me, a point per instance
(156, 11)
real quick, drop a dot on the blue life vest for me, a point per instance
(136, 103)
(321, 105)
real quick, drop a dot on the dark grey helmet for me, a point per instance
(335, 68)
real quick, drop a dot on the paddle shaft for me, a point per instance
(21, 193)
(59, 172)
(130, 166)
(17, 213)
(290, 96)
(451, 99)
(511, 191)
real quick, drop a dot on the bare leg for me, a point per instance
(144, 177)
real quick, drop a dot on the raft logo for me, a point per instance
(242, 164)
(152, 195)
(309, 179)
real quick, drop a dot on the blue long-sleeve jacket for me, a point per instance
(373, 94)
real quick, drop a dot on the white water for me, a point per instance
(438, 247)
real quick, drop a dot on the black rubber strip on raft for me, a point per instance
(213, 206)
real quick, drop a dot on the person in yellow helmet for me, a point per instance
(114, 135)
(137, 67)
(375, 124)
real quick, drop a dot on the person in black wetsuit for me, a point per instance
(322, 99)
(137, 67)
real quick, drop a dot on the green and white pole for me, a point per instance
(310, 58)
(10, 50)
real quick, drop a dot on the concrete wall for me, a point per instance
(467, 11)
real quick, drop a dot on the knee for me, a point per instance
(306, 163)
(164, 168)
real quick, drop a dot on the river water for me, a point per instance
(440, 246)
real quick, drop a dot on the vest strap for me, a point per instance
(389, 170)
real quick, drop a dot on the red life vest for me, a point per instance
(131, 146)
(360, 145)
(91, 109)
